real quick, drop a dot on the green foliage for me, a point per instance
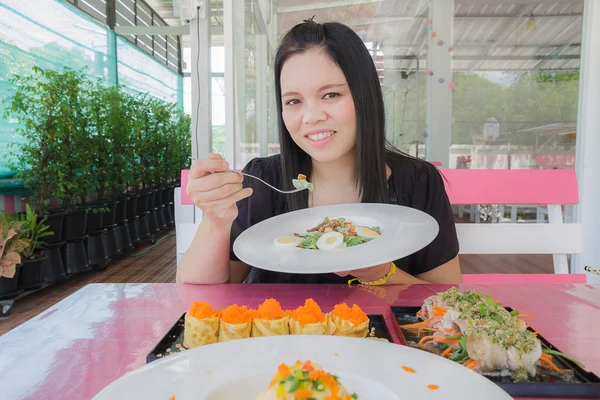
(82, 137)
(32, 229)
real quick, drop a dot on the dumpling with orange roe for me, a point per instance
(308, 319)
(270, 320)
(201, 325)
(236, 323)
(348, 321)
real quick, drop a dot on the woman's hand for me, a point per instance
(369, 274)
(377, 272)
(215, 190)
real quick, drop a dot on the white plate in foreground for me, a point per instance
(404, 231)
(241, 369)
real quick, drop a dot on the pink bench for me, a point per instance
(553, 188)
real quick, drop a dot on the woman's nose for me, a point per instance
(313, 113)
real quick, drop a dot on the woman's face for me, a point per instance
(318, 109)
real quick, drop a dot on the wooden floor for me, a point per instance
(158, 265)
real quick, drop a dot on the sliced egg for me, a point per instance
(366, 233)
(287, 241)
(330, 240)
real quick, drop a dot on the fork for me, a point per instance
(258, 179)
(272, 187)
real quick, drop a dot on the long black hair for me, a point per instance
(349, 53)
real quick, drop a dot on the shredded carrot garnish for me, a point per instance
(447, 351)
(438, 311)
(408, 369)
(472, 364)
(308, 366)
(270, 309)
(283, 370)
(309, 313)
(235, 314)
(355, 314)
(301, 177)
(422, 324)
(302, 394)
(524, 316)
(200, 309)
(433, 387)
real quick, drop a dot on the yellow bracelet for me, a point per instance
(378, 282)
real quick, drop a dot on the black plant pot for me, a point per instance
(151, 199)
(143, 227)
(132, 205)
(112, 245)
(153, 226)
(121, 212)
(142, 202)
(109, 217)
(123, 238)
(76, 260)
(166, 215)
(55, 271)
(134, 231)
(55, 223)
(171, 221)
(95, 216)
(160, 217)
(9, 287)
(96, 251)
(32, 273)
(164, 195)
(171, 193)
(75, 224)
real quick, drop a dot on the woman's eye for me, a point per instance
(291, 102)
(331, 95)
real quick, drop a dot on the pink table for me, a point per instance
(89, 339)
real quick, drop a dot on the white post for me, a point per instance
(201, 80)
(228, 33)
(587, 213)
(439, 95)
(262, 86)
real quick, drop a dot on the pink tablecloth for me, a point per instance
(81, 344)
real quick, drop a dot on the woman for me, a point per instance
(331, 125)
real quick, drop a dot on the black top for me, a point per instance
(413, 183)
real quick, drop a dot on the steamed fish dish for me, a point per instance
(308, 319)
(236, 323)
(330, 234)
(302, 183)
(304, 380)
(476, 331)
(270, 320)
(201, 325)
(348, 321)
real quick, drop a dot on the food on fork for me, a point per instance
(270, 320)
(302, 183)
(348, 321)
(201, 325)
(236, 323)
(308, 319)
(304, 380)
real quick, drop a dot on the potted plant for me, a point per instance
(35, 106)
(11, 246)
(34, 261)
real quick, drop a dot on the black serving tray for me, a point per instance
(581, 384)
(172, 342)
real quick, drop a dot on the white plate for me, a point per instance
(404, 231)
(241, 369)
